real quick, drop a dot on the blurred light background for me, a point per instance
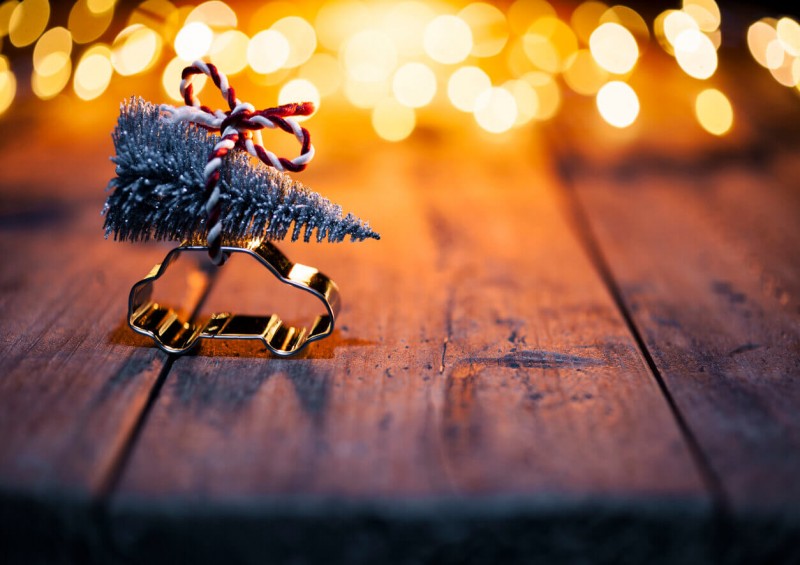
(398, 66)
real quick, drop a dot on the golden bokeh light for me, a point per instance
(549, 43)
(369, 56)
(714, 111)
(267, 51)
(193, 41)
(631, 20)
(614, 48)
(585, 19)
(366, 94)
(86, 25)
(171, 79)
(159, 15)
(324, 71)
(405, 24)
(788, 72)
(489, 28)
(49, 86)
(229, 51)
(392, 121)
(705, 13)
(6, 9)
(448, 39)
(52, 51)
(300, 90)
(93, 72)
(495, 110)
(465, 85)
(135, 49)
(695, 53)
(788, 32)
(548, 92)
(214, 14)
(8, 85)
(337, 20)
(301, 37)
(100, 6)
(414, 85)
(28, 21)
(526, 98)
(760, 35)
(523, 13)
(618, 104)
(583, 75)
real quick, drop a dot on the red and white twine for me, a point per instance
(240, 127)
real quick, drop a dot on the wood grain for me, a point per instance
(703, 254)
(479, 354)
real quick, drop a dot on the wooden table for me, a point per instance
(569, 346)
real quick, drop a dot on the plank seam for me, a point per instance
(588, 239)
(114, 475)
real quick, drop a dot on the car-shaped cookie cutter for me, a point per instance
(177, 332)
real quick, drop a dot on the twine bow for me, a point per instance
(240, 127)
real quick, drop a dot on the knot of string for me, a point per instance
(240, 126)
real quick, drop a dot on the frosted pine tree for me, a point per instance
(158, 189)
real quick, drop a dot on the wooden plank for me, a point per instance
(702, 248)
(479, 355)
(73, 379)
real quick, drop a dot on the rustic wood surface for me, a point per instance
(554, 352)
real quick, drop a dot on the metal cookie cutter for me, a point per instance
(175, 331)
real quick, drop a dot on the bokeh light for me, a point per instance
(369, 56)
(448, 39)
(631, 20)
(614, 48)
(760, 36)
(526, 99)
(135, 49)
(338, 20)
(324, 71)
(714, 111)
(193, 41)
(618, 104)
(547, 91)
(585, 19)
(583, 75)
(267, 51)
(523, 12)
(8, 85)
(93, 72)
(414, 85)
(695, 53)
(549, 43)
(465, 85)
(488, 26)
(705, 12)
(788, 32)
(392, 121)
(213, 14)
(229, 51)
(405, 22)
(496, 110)
(52, 51)
(87, 25)
(6, 9)
(301, 37)
(28, 21)
(47, 86)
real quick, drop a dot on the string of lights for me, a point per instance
(503, 67)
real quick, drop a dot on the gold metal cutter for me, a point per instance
(176, 332)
